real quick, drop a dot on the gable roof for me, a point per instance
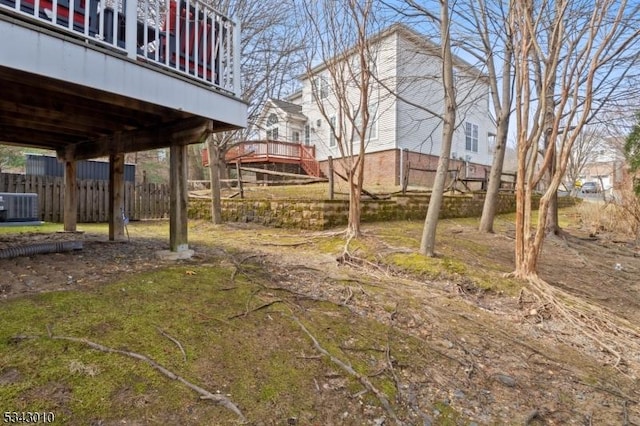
(287, 107)
(408, 33)
(291, 110)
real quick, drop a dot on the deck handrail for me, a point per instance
(188, 37)
(273, 151)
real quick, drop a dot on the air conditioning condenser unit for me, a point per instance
(18, 207)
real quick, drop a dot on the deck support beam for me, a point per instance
(116, 196)
(178, 240)
(70, 213)
(184, 131)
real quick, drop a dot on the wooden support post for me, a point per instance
(239, 173)
(331, 179)
(70, 196)
(178, 240)
(116, 197)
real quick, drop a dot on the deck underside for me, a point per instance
(58, 93)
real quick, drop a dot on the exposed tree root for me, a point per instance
(613, 334)
(204, 394)
(347, 258)
(382, 397)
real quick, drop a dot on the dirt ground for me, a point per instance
(489, 358)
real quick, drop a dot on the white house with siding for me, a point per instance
(404, 107)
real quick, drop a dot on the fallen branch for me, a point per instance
(384, 401)
(238, 264)
(302, 243)
(204, 394)
(178, 344)
(247, 311)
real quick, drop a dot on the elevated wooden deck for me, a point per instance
(273, 152)
(92, 78)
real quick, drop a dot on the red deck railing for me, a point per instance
(269, 151)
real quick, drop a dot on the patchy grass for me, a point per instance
(48, 227)
(228, 348)
(410, 332)
(44, 228)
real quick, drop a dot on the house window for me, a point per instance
(296, 136)
(491, 145)
(272, 134)
(471, 137)
(272, 127)
(332, 131)
(372, 64)
(307, 134)
(321, 87)
(273, 119)
(372, 131)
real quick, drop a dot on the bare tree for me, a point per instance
(482, 34)
(342, 85)
(461, 84)
(569, 55)
(428, 240)
(270, 60)
(496, 46)
(585, 150)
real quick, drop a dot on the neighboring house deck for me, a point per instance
(265, 153)
(91, 78)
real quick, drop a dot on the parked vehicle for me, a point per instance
(590, 187)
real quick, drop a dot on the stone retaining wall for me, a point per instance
(324, 214)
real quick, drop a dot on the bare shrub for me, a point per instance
(621, 215)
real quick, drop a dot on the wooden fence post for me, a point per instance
(239, 173)
(331, 180)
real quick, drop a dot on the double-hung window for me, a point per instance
(272, 127)
(307, 134)
(471, 137)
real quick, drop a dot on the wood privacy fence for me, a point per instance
(142, 201)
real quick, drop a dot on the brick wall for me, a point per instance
(383, 168)
(324, 214)
(380, 168)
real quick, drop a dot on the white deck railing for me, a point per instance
(185, 36)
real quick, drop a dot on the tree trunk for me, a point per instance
(214, 167)
(428, 241)
(552, 226)
(353, 224)
(495, 176)
(523, 213)
(196, 171)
